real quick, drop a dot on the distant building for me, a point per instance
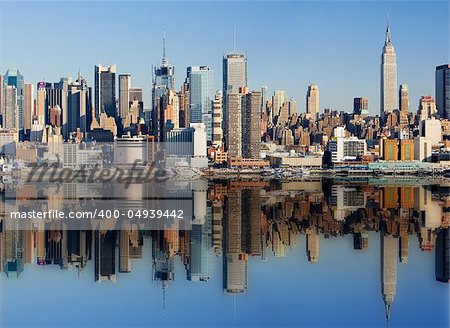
(105, 89)
(427, 108)
(124, 94)
(442, 89)
(406, 150)
(251, 119)
(15, 79)
(361, 106)
(390, 149)
(10, 108)
(234, 78)
(431, 129)
(404, 105)
(28, 106)
(312, 101)
(200, 92)
(105, 255)
(217, 132)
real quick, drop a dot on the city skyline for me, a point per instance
(265, 53)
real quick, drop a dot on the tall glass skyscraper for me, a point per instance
(14, 78)
(105, 90)
(443, 91)
(200, 92)
(162, 81)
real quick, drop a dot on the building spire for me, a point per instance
(234, 38)
(388, 313)
(164, 59)
(388, 31)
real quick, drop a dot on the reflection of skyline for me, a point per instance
(240, 221)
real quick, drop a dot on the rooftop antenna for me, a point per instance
(164, 59)
(234, 38)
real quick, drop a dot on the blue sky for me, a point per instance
(336, 44)
(342, 289)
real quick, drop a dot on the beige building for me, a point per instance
(312, 101)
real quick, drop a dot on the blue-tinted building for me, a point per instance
(200, 95)
(14, 78)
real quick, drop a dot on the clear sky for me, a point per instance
(336, 44)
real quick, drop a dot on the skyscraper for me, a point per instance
(28, 106)
(251, 119)
(105, 90)
(79, 103)
(278, 99)
(312, 101)
(10, 108)
(41, 95)
(361, 106)
(200, 91)
(217, 134)
(442, 89)
(404, 105)
(124, 94)
(388, 90)
(234, 78)
(14, 78)
(1, 96)
(162, 82)
(234, 127)
(264, 98)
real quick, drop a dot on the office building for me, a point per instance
(28, 107)
(234, 78)
(234, 127)
(361, 106)
(344, 148)
(406, 150)
(1, 96)
(200, 92)
(388, 90)
(10, 108)
(312, 101)
(442, 90)
(162, 82)
(427, 108)
(431, 129)
(278, 99)
(251, 120)
(404, 105)
(217, 132)
(15, 79)
(79, 104)
(105, 90)
(390, 149)
(124, 94)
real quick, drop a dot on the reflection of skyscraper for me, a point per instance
(389, 251)
(13, 252)
(105, 256)
(442, 265)
(312, 244)
(200, 244)
(235, 261)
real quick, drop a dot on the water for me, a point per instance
(290, 254)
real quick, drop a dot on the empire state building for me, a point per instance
(388, 101)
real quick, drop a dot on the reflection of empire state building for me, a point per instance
(389, 251)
